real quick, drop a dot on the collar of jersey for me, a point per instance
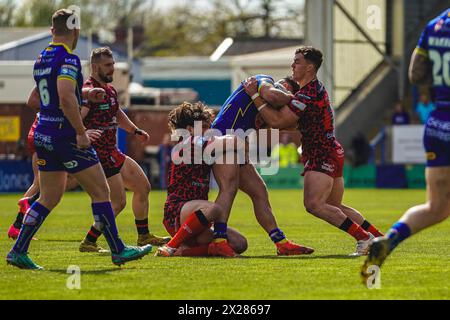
(61, 44)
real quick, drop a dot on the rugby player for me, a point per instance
(310, 109)
(240, 112)
(62, 145)
(426, 68)
(102, 119)
(187, 211)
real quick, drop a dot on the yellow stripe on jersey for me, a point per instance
(242, 113)
(230, 98)
(422, 52)
(62, 44)
(61, 77)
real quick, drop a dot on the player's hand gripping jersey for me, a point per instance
(320, 149)
(55, 138)
(239, 111)
(434, 44)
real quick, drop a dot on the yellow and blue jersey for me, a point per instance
(56, 62)
(434, 44)
(239, 111)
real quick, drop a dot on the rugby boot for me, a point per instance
(379, 250)
(221, 249)
(290, 248)
(165, 251)
(22, 261)
(362, 246)
(130, 253)
(88, 246)
(150, 238)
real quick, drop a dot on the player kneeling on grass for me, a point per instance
(188, 214)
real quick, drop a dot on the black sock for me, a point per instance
(33, 198)
(18, 223)
(142, 226)
(93, 234)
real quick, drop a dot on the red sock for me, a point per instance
(199, 251)
(366, 225)
(357, 232)
(195, 223)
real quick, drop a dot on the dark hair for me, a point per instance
(186, 113)
(97, 54)
(59, 21)
(295, 86)
(311, 54)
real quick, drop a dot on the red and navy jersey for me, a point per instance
(316, 120)
(103, 116)
(434, 44)
(188, 181)
(56, 62)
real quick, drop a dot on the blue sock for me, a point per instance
(220, 230)
(104, 216)
(31, 224)
(277, 235)
(398, 232)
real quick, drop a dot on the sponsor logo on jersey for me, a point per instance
(298, 104)
(71, 61)
(327, 167)
(41, 162)
(71, 164)
(42, 72)
(104, 106)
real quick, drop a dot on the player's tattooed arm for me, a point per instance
(34, 101)
(419, 72)
(126, 124)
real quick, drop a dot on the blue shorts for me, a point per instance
(436, 138)
(60, 153)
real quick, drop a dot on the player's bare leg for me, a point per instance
(417, 218)
(227, 178)
(194, 231)
(335, 199)
(317, 190)
(253, 185)
(134, 179)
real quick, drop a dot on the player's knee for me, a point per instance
(240, 245)
(312, 206)
(440, 210)
(100, 193)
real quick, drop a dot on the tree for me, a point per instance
(7, 8)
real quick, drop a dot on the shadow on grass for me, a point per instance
(102, 271)
(331, 256)
(59, 240)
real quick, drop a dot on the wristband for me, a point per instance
(256, 95)
(262, 107)
(138, 132)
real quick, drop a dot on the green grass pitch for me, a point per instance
(418, 269)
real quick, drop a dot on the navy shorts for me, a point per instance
(60, 153)
(436, 138)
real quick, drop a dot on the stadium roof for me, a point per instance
(13, 37)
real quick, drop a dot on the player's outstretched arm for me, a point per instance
(69, 105)
(126, 124)
(419, 72)
(34, 101)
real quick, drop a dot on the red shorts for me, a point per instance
(331, 163)
(30, 138)
(111, 161)
(172, 214)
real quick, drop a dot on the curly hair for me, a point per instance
(187, 113)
